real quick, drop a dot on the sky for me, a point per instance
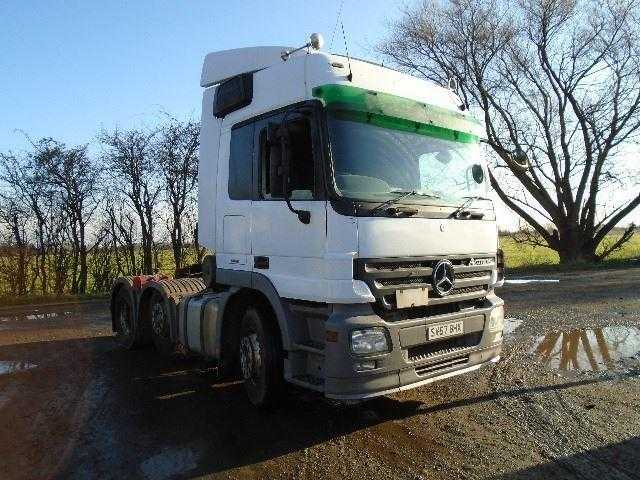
(71, 68)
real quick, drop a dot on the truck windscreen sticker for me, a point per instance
(398, 113)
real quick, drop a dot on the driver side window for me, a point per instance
(301, 157)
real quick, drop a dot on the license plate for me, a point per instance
(412, 297)
(444, 330)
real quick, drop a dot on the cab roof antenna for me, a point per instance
(316, 41)
(346, 49)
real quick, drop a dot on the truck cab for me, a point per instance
(354, 249)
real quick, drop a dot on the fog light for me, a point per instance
(364, 366)
(368, 341)
(496, 319)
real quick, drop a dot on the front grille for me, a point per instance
(391, 266)
(484, 273)
(463, 290)
(385, 276)
(442, 365)
(404, 281)
(443, 347)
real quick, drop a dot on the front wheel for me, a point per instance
(261, 359)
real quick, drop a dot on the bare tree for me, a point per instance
(74, 175)
(60, 252)
(176, 152)
(559, 79)
(14, 219)
(26, 184)
(121, 226)
(103, 263)
(128, 156)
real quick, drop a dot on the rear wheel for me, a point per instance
(124, 319)
(261, 359)
(160, 323)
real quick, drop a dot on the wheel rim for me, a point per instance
(123, 318)
(159, 320)
(250, 356)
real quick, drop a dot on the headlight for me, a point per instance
(370, 340)
(496, 319)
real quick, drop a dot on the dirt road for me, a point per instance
(564, 402)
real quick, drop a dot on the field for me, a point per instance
(521, 257)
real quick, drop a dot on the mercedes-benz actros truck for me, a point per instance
(354, 248)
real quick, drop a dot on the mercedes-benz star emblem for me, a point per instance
(444, 278)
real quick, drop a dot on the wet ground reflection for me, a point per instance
(12, 366)
(598, 349)
(96, 314)
(511, 325)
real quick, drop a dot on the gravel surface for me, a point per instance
(563, 402)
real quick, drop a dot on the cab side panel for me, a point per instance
(208, 171)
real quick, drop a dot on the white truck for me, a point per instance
(355, 251)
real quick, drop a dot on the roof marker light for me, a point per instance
(316, 41)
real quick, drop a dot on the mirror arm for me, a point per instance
(303, 215)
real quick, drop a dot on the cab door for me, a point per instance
(234, 198)
(286, 250)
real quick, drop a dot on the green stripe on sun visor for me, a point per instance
(398, 113)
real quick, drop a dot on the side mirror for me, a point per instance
(477, 173)
(520, 159)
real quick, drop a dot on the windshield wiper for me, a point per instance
(402, 196)
(469, 200)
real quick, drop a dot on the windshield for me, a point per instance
(374, 163)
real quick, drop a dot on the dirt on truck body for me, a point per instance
(563, 402)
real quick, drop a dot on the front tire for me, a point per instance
(261, 359)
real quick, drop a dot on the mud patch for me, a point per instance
(615, 348)
(511, 325)
(9, 366)
(169, 463)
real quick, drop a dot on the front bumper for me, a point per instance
(413, 360)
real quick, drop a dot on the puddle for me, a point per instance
(9, 366)
(598, 349)
(169, 463)
(511, 325)
(32, 316)
(41, 316)
(527, 281)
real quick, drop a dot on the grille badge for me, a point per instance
(444, 278)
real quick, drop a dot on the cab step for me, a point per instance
(310, 346)
(308, 381)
